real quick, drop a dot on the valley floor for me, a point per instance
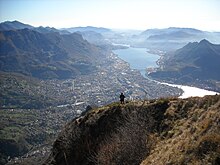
(96, 89)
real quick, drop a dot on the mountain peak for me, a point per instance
(204, 41)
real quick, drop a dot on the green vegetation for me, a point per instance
(22, 130)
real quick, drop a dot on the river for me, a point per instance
(140, 59)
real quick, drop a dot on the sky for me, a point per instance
(117, 14)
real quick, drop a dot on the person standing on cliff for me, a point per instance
(122, 98)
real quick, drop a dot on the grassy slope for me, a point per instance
(193, 137)
(164, 131)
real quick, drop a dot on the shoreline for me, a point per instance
(187, 91)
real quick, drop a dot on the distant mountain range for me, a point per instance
(95, 35)
(173, 38)
(46, 55)
(196, 62)
(167, 39)
(171, 30)
(43, 51)
(16, 25)
(87, 28)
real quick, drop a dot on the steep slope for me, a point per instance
(193, 136)
(164, 131)
(48, 55)
(194, 62)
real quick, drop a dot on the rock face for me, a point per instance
(160, 131)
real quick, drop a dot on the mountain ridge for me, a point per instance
(16, 25)
(45, 55)
(13, 25)
(140, 132)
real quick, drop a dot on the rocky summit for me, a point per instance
(158, 132)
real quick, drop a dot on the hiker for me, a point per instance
(122, 98)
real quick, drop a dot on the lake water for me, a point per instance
(140, 59)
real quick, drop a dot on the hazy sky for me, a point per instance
(122, 14)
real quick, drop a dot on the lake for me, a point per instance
(140, 59)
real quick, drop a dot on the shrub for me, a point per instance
(129, 144)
